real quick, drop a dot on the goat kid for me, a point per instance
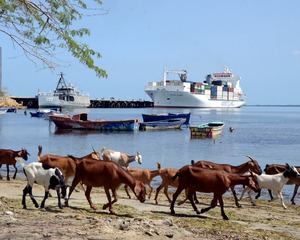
(41, 174)
(209, 181)
(123, 159)
(143, 175)
(9, 157)
(275, 182)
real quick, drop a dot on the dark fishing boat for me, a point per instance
(81, 122)
(163, 124)
(160, 117)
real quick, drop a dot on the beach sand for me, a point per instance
(135, 220)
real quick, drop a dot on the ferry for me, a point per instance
(219, 90)
(63, 96)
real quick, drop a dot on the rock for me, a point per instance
(9, 213)
(169, 235)
(168, 222)
(123, 225)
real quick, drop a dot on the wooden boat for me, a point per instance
(160, 117)
(81, 122)
(163, 124)
(206, 130)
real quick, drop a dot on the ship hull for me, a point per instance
(164, 98)
(49, 101)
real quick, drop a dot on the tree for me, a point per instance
(41, 27)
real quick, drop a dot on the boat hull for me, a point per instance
(163, 98)
(67, 122)
(163, 124)
(207, 130)
(160, 117)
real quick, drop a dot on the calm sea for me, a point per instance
(268, 134)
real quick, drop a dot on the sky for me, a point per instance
(258, 40)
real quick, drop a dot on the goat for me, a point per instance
(66, 164)
(49, 178)
(240, 169)
(107, 174)
(278, 168)
(123, 159)
(143, 175)
(8, 157)
(274, 182)
(217, 182)
(166, 175)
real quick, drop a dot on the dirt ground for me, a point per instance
(135, 220)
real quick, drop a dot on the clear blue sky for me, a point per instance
(258, 40)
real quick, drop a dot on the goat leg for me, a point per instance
(16, 170)
(235, 198)
(157, 192)
(126, 190)
(7, 171)
(31, 197)
(44, 200)
(88, 196)
(190, 197)
(212, 205)
(58, 197)
(294, 194)
(222, 208)
(175, 195)
(258, 194)
(25, 191)
(109, 204)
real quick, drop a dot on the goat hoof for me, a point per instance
(24, 207)
(105, 206)
(198, 212)
(37, 206)
(293, 203)
(225, 218)
(172, 212)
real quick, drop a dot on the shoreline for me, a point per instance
(267, 220)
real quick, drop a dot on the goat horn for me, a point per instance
(250, 158)
(94, 149)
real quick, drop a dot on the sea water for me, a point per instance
(268, 134)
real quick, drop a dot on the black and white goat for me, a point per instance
(274, 182)
(49, 178)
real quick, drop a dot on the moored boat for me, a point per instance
(173, 123)
(160, 117)
(206, 130)
(63, 96)
(219, 90)
(81, 122)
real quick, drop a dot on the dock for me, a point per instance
(32, 102)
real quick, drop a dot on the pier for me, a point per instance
(32, 102)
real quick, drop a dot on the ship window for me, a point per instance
(61, 97)
(168, 98)
(71, 98)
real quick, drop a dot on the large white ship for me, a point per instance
(219, 90)
(63, 96)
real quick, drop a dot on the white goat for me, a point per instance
(274, 182)
(50, 178)
(123, 159)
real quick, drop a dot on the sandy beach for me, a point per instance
(267, 220)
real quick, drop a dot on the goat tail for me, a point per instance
(158, 166)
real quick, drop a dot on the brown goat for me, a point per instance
(8, 157)
(166, 175)
(251, 165)
(143, 175)
(107, 174)
(65, 164)
(279, 168)
(209, 181)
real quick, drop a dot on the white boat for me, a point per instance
(219, 90)
(63, 96)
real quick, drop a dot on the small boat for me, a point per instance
(159, 117)
(2, 112)
(81, 122)
(206, 130)
(44, 113)
(172, 123)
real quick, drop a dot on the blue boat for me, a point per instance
(160, 117)
(172, 123)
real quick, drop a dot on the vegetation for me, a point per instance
(41, 27)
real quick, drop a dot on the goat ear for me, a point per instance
(287, 165)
